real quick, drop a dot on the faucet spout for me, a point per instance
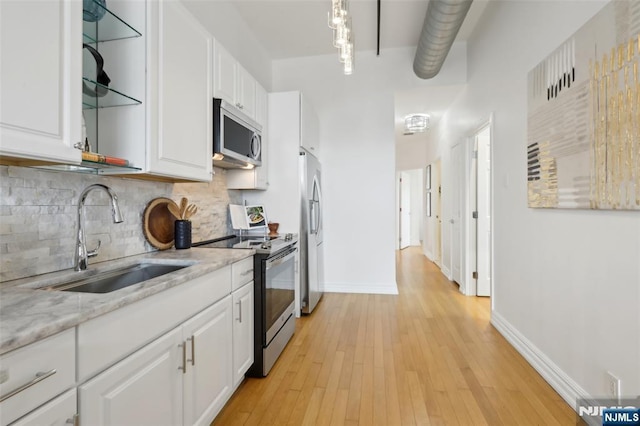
(81, 252)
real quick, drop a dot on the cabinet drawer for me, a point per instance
(36, 373)
(242, 273)
(109, 338)
(62, 411)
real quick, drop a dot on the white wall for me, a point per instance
(566, 282)
(357, 152)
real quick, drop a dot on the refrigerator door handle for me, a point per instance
(316, 213)
(313, 228)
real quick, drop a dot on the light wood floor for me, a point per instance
(425, 356)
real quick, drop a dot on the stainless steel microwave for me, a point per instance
(237, 139)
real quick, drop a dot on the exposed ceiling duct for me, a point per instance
(441, 25)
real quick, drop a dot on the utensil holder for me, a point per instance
(182, 234)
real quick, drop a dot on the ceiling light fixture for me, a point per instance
(339, 21)
(415, 123)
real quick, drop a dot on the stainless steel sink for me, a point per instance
(107, 282)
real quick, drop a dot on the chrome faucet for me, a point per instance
(81, 253)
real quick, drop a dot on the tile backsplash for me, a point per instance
(38, 215)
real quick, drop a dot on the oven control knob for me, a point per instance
(288, 237)
(266, 245)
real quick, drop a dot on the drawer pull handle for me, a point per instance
(39, 377)
(193, 350)
(240, 310)
(247, 272)
(184, 358)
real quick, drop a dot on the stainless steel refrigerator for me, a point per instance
(311, 247)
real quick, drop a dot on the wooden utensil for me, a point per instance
(183, 207)
(175, 210)
(190, 211)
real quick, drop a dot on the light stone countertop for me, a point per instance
(28, 314)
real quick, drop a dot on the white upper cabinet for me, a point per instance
(232, 82)
(245, 92)
(224, 74)
(309, 127)
(261, 107)
(40, 75)
(179, 98)
(257, 178)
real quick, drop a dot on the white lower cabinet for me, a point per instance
(207, 378)
(184, 377)
(34, 374)
(143, 389)
(59, 412)
(243, 326)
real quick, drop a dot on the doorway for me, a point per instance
(484, 206)
(409, 208)
(471, 210)
(405, 210)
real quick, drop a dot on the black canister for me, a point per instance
(182, 234)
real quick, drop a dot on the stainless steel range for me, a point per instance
(275, 268)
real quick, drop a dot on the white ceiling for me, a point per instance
(294, 28)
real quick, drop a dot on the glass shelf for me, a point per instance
(111, 99)
(109, 28)
(92, 168)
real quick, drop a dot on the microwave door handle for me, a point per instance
(255, 146)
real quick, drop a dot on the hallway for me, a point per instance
(425, 356)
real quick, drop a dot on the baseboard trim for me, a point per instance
(372, 288)
(446, 272)
(566, 387)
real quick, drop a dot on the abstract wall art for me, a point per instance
(583, 148)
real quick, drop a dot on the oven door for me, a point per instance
(280, 274)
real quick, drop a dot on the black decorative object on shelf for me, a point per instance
(101, 76)
(93, 10)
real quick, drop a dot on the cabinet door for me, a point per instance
(59, 412)
(262, 116)
(224, 74)
(180, 95)
(242, 332)
(40, 79)
(207, 382)
(245, 92)
(309, 127)
(261, 107)
(143, 389)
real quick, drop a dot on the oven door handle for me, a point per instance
(280, 259)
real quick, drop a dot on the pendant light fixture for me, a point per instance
(339, 21)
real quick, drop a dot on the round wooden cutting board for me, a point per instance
(157, 223)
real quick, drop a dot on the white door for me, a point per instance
(208, 377)
(224, 74)
(457, 168)
(242, 331)
(143, 389)
(40, 79)
(405, 210)
(180, 86)
(484, 212)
